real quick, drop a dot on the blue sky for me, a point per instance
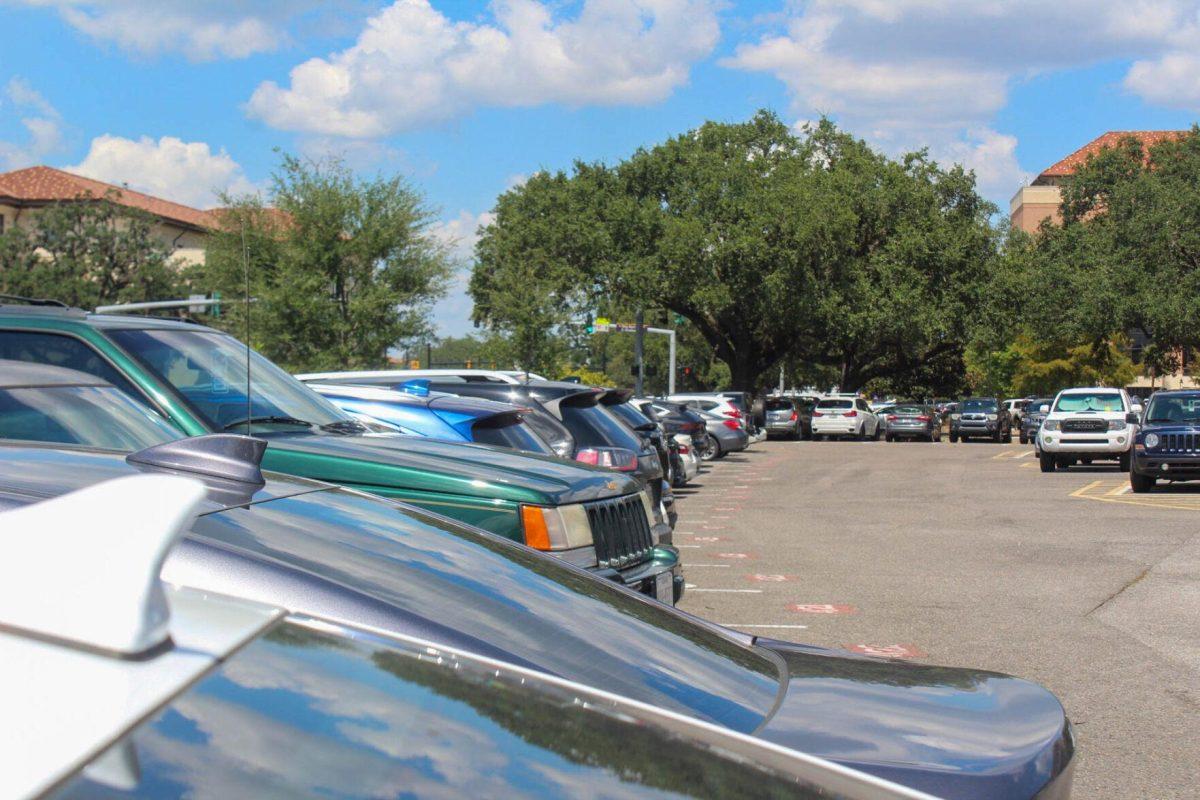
(184, 98)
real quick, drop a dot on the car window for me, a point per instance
(593, 426)
(59, 350)
(778, 405)
(835, 404)
(980, 405)
(92, 416)
(208, 369)
(502, 431)
(1174, 408)
(708, 405)
(1096, 401)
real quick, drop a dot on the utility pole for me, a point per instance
(671, 357)
(639, 339)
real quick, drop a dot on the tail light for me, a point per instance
(684, 449)
(795, 416)
(617, 458)
(892, 418)
(850, 414)
(732, 424)
(817, 414)
(922, 418)
(733, 412)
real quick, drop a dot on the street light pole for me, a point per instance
(639, 340)
(670, 358)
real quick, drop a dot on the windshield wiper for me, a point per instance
(345, 426)
(268, 419)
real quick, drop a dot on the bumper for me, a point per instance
(660, 577)
(1166, 467)
(732, 444)
(1114, 442)
(836, 427)
(909, 430)
(975, 428)
(783, 427)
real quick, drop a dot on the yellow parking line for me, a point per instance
(1085, 489)
(1098, 490)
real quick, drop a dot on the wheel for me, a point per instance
(889, 438)
(1123, 462)
(953, 438)
(1047, 462)
(1008, 436)
(711, 450)
(817, 437)
(1141, 483)
(878, 432)
(1024, 439)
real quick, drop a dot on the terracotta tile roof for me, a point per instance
(37, 185)
(1111, 139)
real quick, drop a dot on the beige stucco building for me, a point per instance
(25, 192)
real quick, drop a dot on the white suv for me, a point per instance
(1088, 424)
(844, 416)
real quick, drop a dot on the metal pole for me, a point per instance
(638, 341)
(671, 357)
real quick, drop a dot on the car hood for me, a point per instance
(948, 731)
(1168, 427)
(472, 470)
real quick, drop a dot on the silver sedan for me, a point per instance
(913, 421)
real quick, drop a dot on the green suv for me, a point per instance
(196, 377)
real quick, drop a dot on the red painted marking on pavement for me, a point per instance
(887, 650)
(710, 538)
(822, 608)
(770, 578)
(733, 555)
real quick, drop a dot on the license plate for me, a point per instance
(664, 587)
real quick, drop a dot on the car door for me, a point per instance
(871, 423)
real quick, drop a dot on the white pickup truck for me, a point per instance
(1088, 424)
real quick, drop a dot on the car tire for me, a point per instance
(817, 437)
(1123, 462)
(1024, 439)
(889, 438)
(878, 432)
(1008, 435)
(954, 438)
(710, 452)
(1047, 462)
(1140, 483)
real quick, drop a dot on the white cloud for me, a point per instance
(197, 30)
(186, 172)
(41, 121)
(452, 314)
(413, 66)
(911, 73)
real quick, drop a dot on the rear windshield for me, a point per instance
(979, 405)
(779, 405)
(634, 418)
(909, 410)
(1093, 401)
(551, 431)
(506, 431)
(835, 404)
(1174, 408)
(594, 426)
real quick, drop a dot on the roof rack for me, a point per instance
(33, 301)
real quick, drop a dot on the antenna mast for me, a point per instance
(246, 275)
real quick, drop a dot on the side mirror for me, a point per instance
(1132, 418)
(1045, 409)
(1136, 408)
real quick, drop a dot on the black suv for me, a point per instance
(981, 417)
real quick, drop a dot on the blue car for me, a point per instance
(1168, 445)
(416, 410)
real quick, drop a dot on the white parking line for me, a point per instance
(689, 546)
(736, 625)
(690, 565)
(729, 591)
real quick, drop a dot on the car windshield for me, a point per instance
(1174, 408)
(979, 405)
(632, 417)
(836, 404)
(594, 426)
(909, 410)
(208, 369)
(505, 431)
(92, 416)
(1091, 401)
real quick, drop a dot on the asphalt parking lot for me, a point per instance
(968, 555)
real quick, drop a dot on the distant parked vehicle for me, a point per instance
(1031, 420)
(981, 418)
(1168, 444)
(725, 435)
(1086, 425)
(913, 421)
(415, 409)
(839, 417)
(715, 404)
(788, 416)
(1016, 409)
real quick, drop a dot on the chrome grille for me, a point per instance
(620, 531)
(1084, 425)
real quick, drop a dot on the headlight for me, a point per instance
(1050, 425)
(558, 528)
(955, 416)
(993, 417)
(1116, 424)
(1151, 440)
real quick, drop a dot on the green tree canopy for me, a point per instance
(88, 252)
(343, 269)
(772, 245)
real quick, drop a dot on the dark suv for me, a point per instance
(1168, 445)
(980, 418)
(1031, 419)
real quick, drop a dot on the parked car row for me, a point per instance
(431, 595)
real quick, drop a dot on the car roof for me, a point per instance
(106, 321)
(22, 374)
